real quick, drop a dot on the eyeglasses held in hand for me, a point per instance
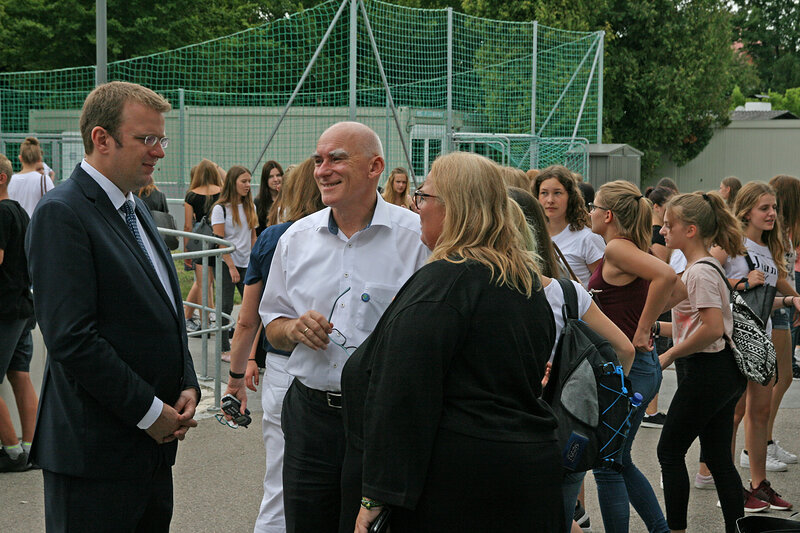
(336, 336)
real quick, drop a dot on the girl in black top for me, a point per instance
(203, 192)
(271, 180)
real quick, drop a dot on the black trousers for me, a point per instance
(114, 505)
(709, 386)
(228, 287)
(312, 461)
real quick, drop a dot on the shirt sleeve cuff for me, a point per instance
(152, 414)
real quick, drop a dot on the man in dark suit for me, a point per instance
(119, 388)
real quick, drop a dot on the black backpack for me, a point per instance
(589, 394)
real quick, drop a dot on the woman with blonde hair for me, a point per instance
(299, 197)
(234, 219)
(204, 188)
(568, 222)
(632, 287)
(396, 189)
(31, 183)
(763, 263)
(448, 422)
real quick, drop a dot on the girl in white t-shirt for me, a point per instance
(568, 222)
(31, 183)
(756, 209)
(709, 381)
(234, 219)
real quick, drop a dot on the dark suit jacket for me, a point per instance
(114, 338)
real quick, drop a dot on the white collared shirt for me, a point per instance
(117, 200)
(314, 263)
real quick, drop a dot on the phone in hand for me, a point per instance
(381, 524)
(231, 406)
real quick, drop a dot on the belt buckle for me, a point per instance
(334, 399)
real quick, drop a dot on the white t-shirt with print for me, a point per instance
(238, 234)
(736, 267)
(580, 248)
(555, 297)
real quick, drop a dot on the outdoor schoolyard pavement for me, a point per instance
(219, 471)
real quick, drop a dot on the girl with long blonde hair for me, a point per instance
(632, 287)
(756, 209)
(396, 189)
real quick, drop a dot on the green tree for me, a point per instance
(49, 34)
(769, 31)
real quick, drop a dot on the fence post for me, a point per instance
(101, 48)
(182, 155)
(600, 35)
(353, 57)
(448, 147)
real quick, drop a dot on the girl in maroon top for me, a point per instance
(632, 287)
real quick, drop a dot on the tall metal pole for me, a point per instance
(353, 57)
(101, 37)
(300, 84)
(600, 35)
(534, 59)
(448, 147)
(386, 88)
(586, 92)
(182, 123)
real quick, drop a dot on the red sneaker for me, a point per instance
(766, 493)
(753, 504)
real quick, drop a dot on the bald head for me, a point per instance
(364, 139)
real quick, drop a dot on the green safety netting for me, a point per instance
(457, 82)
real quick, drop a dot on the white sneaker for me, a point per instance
(775, 451)
(773, 465)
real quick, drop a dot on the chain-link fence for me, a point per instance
(448, 75)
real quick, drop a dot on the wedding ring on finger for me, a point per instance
(306, 330)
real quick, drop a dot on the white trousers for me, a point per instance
(273, 388)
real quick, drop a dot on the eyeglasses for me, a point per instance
(419, 197)
(336, 336)
(225, 422)
(151, 140)
(592, 207)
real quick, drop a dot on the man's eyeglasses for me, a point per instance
(336, 336)
(592, 207)
(419, 197)
(151, 140)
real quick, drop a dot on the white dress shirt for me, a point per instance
(117, 200)
(314, 263)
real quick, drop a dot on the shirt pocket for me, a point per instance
(371, 303)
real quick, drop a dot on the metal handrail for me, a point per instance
(223, 247)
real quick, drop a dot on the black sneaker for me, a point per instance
(795, 372)
(654, 421)
(7, 464)
(581, 517)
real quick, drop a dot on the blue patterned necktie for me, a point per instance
(130, 219)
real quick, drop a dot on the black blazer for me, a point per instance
(114, 338)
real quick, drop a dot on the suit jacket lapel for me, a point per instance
(114, 219)
(163, 254)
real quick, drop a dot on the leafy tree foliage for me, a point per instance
(769, 31)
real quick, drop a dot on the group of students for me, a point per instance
(745, 232)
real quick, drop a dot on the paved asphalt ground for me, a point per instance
(219, 471)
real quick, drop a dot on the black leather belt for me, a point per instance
(329, 398)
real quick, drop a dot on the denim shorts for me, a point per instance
(782, 318)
